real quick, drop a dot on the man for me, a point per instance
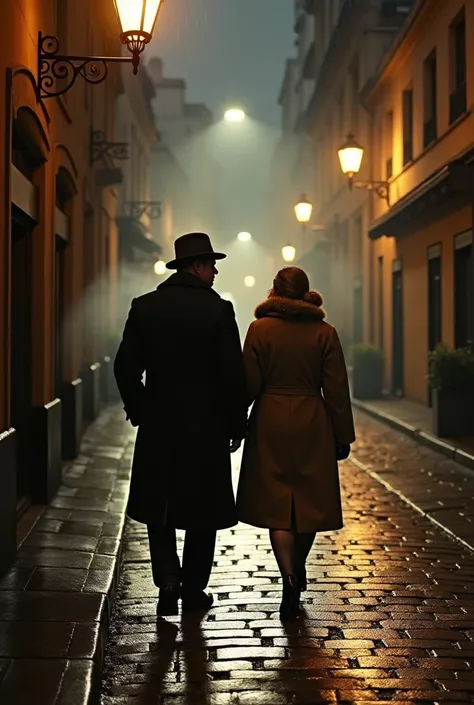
(191, 414)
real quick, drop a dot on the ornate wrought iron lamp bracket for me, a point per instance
(150, 208)
(381, 188)
(53, 67)
(101, 149)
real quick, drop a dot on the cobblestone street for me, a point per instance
(388, 613)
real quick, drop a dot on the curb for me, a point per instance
(445, 448)
(374, 475)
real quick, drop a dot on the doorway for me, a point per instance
(397, 330)
(434, 303)
(21, 356)
(358, 331)
(463, 291)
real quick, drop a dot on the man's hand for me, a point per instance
(235, 445)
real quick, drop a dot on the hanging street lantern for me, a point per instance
(350, 156)
(303, 210)
(288, 253)
(57, 72)
(137, 20)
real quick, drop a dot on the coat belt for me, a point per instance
(293, 391)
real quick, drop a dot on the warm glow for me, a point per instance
(288, 253)
(244, 237)
(249, 281)
(303, 210)
(137, 16)
(350, 156)
(234, 115)
(227, 296)
(160, 267)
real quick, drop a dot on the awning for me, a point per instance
(133, 237)
(444, 192)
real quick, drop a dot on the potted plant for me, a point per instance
(367, 362)
(451, 377)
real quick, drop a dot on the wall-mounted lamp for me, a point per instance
(288, 252)
(303, 209)
(137, 20)
(350, 158)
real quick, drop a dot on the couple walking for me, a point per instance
(191, 413)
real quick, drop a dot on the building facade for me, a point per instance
(421, 99)
(351, 38)
(58, 250)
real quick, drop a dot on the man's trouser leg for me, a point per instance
(164, 556)
(198, 557)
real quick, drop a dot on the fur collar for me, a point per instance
(307, 308)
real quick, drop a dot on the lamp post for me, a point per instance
(137, 19)
(303, 209)
(350, 157)
(288, 252)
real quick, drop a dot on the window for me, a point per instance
(430, 99)
(389, 145)
(354, 96)
(457, 39)
(407, 126)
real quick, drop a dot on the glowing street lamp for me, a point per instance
(234, 115)
(303, 210)
(137, 21)
(249, 281)
(350, 158)
(288, 253)
(244, 237)
(160, 268)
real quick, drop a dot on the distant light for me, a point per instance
(303, 209)
(249, 281)
(234, 115)
(160, 267)
(227, 296)
(288, 253)
(244, 237)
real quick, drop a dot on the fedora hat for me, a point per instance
(193, 246)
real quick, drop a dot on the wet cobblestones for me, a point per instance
(388, 612)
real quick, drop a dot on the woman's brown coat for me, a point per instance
(297, 377)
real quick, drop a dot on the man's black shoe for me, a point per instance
(168, 601)
(197, 601)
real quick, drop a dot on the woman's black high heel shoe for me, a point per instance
(290, 604)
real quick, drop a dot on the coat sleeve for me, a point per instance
(253, 371)
(129, 368)
(231, 373)
(335, 386)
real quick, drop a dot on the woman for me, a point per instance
(300, 425)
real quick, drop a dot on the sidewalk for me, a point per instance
(415, 420)
(56, 601)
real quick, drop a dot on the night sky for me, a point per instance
(229, 51)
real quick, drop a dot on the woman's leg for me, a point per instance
(283, 544)
(303, 544)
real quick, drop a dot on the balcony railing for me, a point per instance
(389, 168)
(429, 131)
(457, 102)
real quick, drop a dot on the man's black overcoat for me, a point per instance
(184, 337)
